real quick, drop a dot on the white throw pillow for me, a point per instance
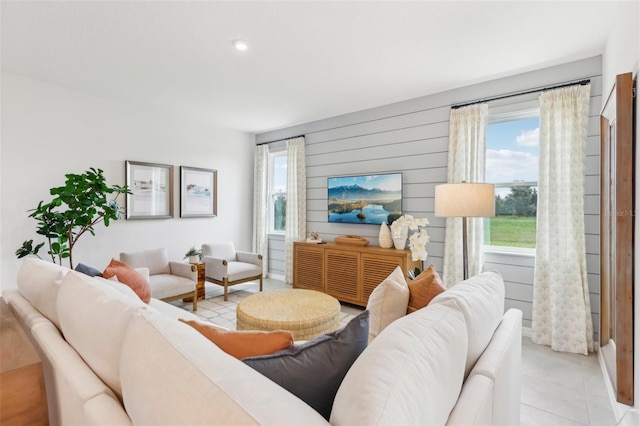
(39, 282)
(94, 317)
(387, 302)
(481, 300)
(409, 375)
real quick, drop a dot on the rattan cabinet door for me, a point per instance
(307, 266)
(342, 275)
(375, 269)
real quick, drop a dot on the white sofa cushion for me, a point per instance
(225, 250)
(199, 384)
(481, 300)
(94, 317)
(39, 282)
(167, 285)
(157, 260)
(387, 302)
(240, 270)
(475, 404)
(410, 374)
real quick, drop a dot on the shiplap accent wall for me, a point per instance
(412, 137)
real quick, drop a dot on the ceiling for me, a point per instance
(306, 60)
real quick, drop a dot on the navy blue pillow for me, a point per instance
(314, 370)
(88, 270)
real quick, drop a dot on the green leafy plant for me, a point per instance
(75, 209)
(193, 252)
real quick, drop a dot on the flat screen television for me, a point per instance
(369, 199)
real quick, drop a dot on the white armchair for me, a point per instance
(169, 280)
(226, 267)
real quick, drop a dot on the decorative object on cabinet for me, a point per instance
(347, 272)
(418, 238)
(314, 238)
(352, 240)
(151, 188)
(384, 236)
(198, 192)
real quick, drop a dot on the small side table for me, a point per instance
(199, 284)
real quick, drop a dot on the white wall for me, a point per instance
(48, 131)
(622, 55)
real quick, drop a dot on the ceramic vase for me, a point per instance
(400, 242)
(194, 259)
(384, 237)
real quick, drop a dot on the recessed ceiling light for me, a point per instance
(240, 44)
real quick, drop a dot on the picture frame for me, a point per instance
(198, 192)
(151, 185)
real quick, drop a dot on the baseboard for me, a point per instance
(275, 277)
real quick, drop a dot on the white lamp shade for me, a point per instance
(465, 200)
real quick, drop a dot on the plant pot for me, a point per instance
(194, 259)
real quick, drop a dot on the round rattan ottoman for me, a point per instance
(306, 313)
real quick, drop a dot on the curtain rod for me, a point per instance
(281, 140)
(524, 92)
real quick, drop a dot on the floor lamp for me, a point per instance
(465, 200)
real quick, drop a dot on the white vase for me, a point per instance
(384, 237)
(194, 259)
(400, 243)
(400, 239)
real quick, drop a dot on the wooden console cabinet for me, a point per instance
(348, 273)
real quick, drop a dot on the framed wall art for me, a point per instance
(198, 192)
(152, 190)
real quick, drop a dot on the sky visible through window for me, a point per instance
(512, 152)
(280, 173)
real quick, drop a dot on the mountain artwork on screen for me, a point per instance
(369, 199)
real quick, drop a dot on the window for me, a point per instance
(277, 192)
(512, 165)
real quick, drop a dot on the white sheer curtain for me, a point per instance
(467, 146)
(260, 203)
(561, 309)
(296, 219)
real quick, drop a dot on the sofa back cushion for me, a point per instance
(94, 317)
(39, 282)
(157, 260)
(196, 373)
(481, 300)
(410, 374)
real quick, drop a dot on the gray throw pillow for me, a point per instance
(314, 370)
(88, 270)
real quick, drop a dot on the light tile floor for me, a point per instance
(557, 388)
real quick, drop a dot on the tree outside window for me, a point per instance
(278, 192)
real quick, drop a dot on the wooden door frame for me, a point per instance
(618, 272)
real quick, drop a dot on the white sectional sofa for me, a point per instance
(110, 359)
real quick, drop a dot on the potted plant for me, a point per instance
(193, 254)
(76, 208)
